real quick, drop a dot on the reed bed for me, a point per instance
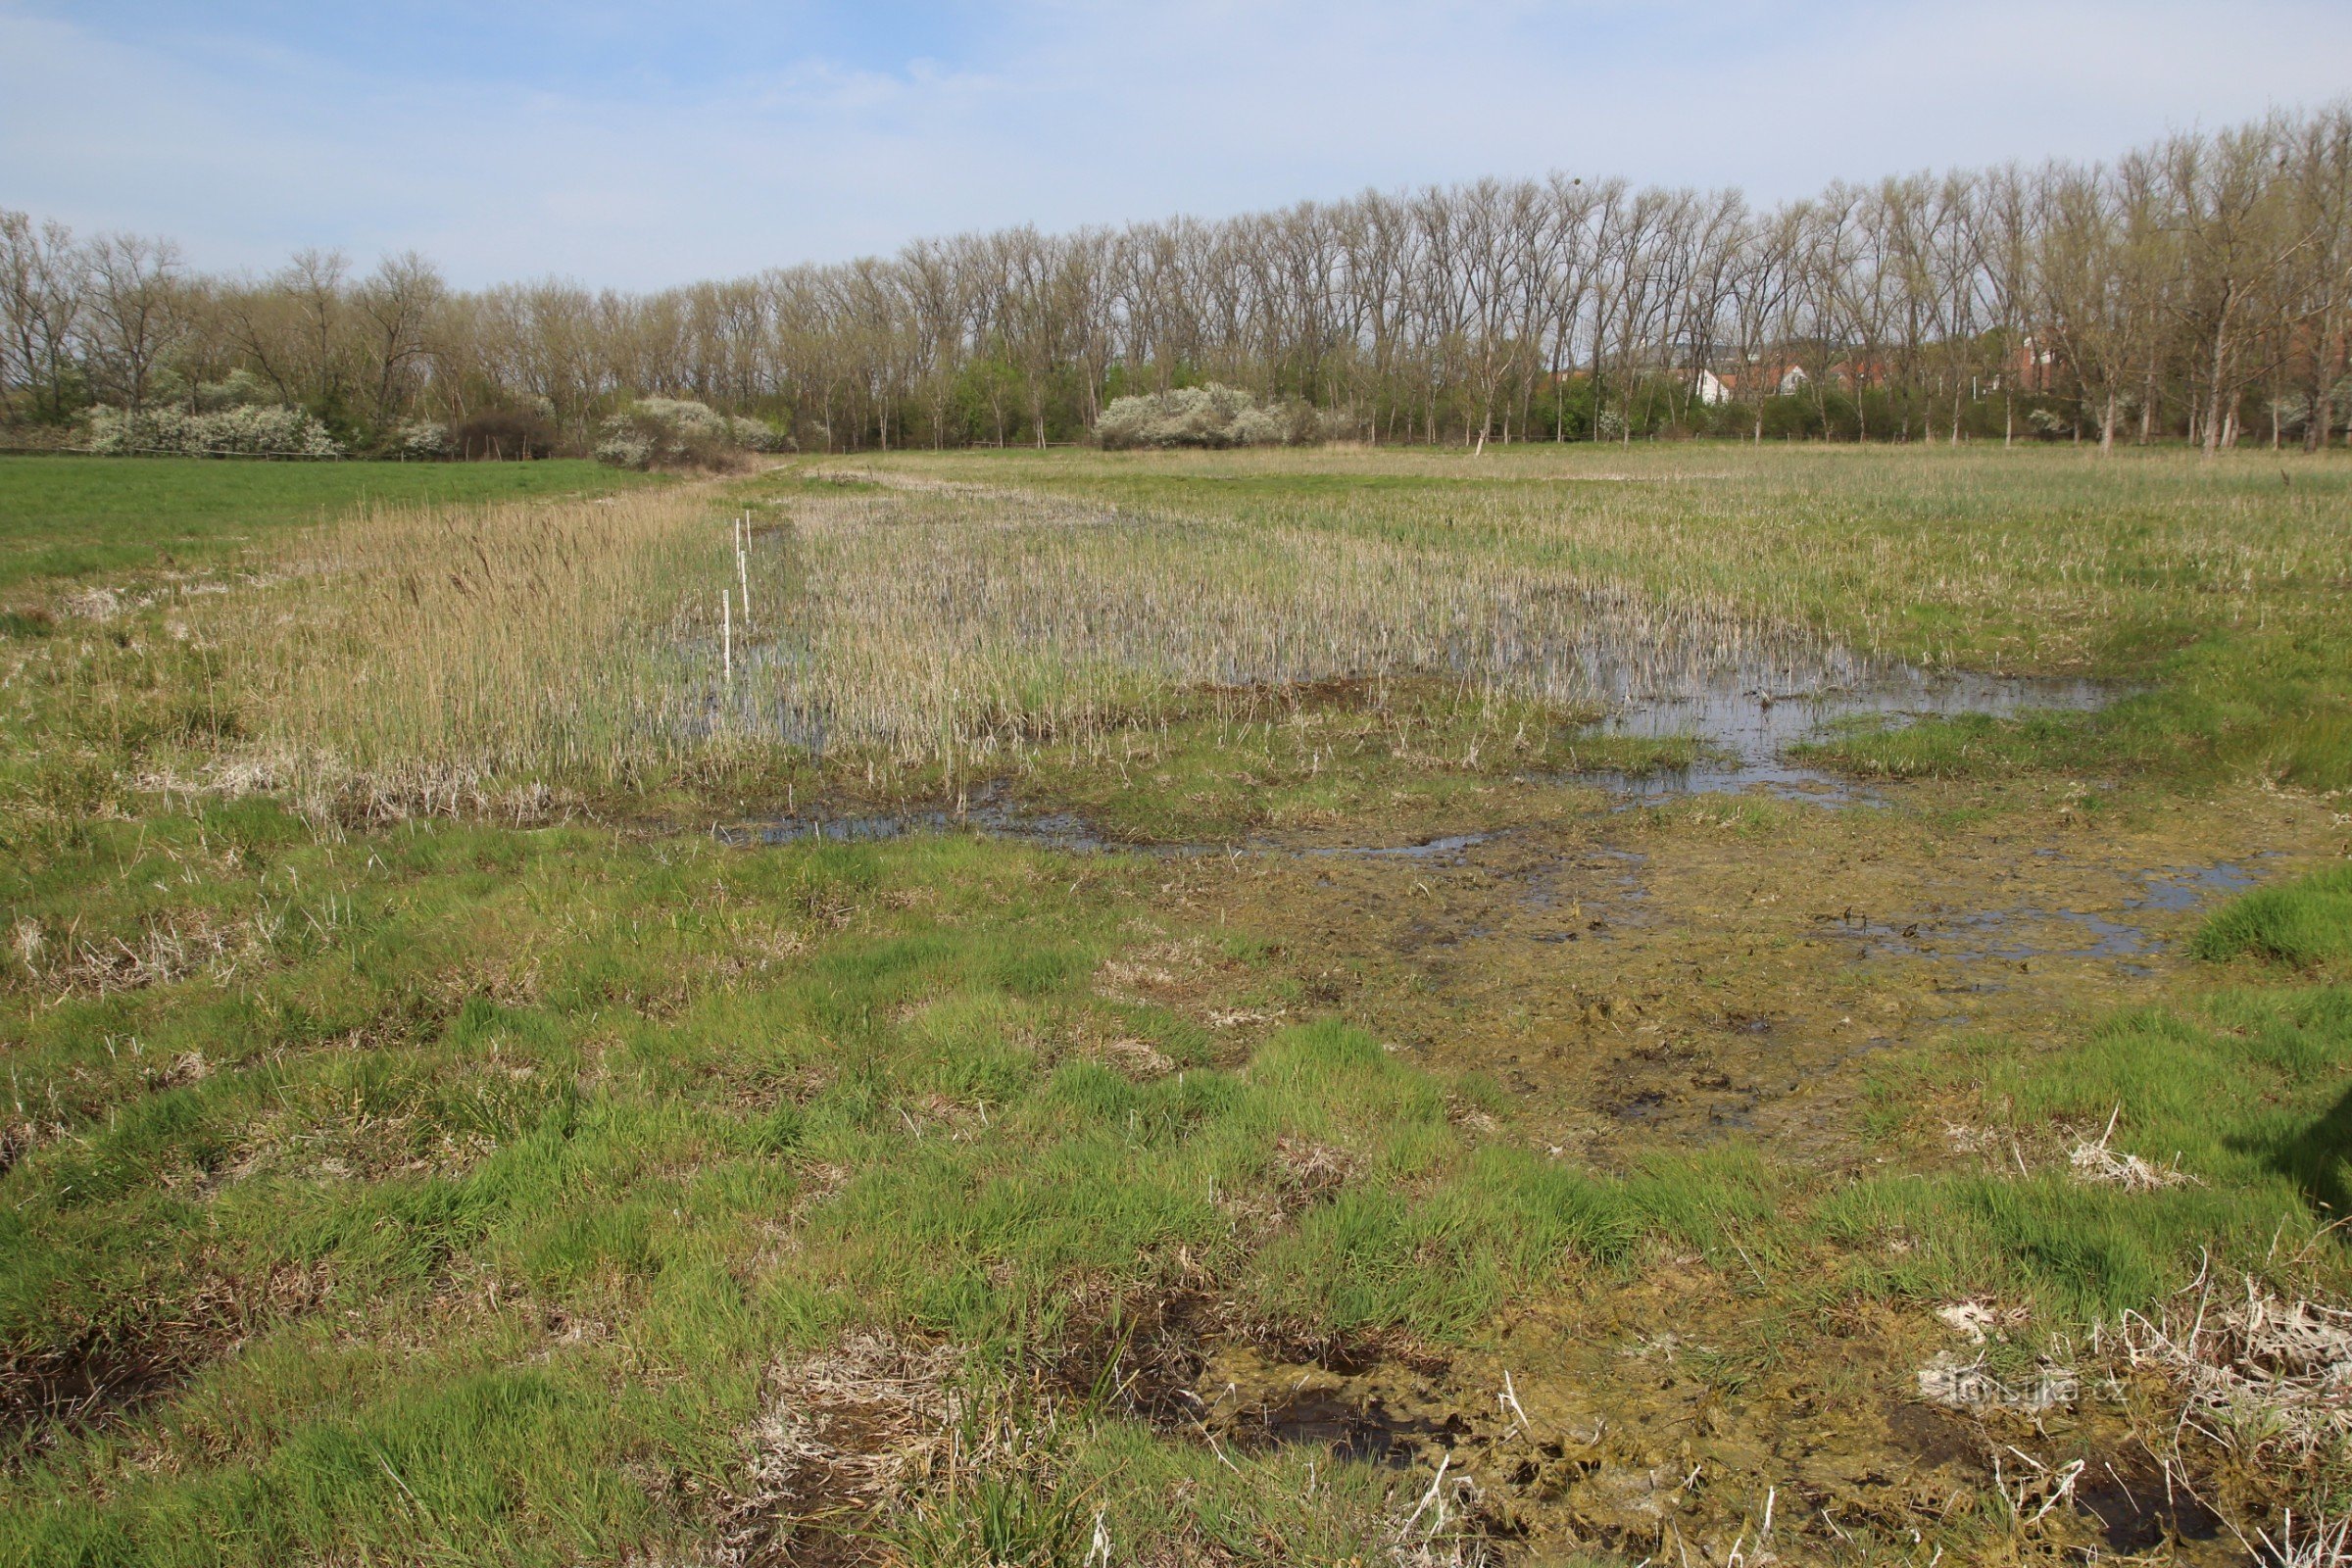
(936, 623)
(552, 640)
(929, 621)
(912, 628)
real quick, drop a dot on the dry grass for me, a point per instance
(848, 1431)
(424, 654)
(2263, 1376)
(926, 622)
(2094, 1160)
(440, 646)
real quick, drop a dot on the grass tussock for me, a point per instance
(2303, 923)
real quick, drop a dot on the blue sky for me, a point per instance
(646, 144)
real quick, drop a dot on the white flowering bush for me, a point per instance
(426, 439)
(246, 430)
(1211, 415)
(2293, 412)
(624, 448)
(679, 433)
(758, 435)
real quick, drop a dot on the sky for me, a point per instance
(639, 145)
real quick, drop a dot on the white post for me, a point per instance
(743, 569)
(726, 633)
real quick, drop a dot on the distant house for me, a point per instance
(2028, 368)
(1777, 378)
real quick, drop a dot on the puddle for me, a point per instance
(996, 816)
(1437, 849)
(1058, 830)
(1749, 713)
(2005, 934)
(2023, 933)
(1326, 1419)
(2186, 887)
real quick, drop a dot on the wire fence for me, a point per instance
(41, 450)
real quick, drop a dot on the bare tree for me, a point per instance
(396, 304)
(42, 301)
(2184, 281)
(133, 308)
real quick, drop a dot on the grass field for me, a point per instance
(501, 1067)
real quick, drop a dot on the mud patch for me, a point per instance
(2136, 1509)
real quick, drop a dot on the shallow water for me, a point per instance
(2021, 933)
(1748, 715)
(1060, 830)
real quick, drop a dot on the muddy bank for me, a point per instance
(1663, 1415)
(1675, 975)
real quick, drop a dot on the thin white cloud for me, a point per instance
(1074, 113)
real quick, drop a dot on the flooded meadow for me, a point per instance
(1249, 1008)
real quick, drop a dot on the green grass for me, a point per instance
(80, 518)
(2306, 922)
(2241, 1092)
(460, 1088)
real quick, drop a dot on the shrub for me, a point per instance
(239, 430)
(1211, 415)
(506, 433)
(758, 435)
(421, 438)
(679, 433)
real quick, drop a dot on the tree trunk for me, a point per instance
(2213, 394)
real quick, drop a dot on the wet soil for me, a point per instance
(1663, 976)
(1705, 966)
(1660, 979)
(1640, 1417)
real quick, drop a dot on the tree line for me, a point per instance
(2197, 288)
